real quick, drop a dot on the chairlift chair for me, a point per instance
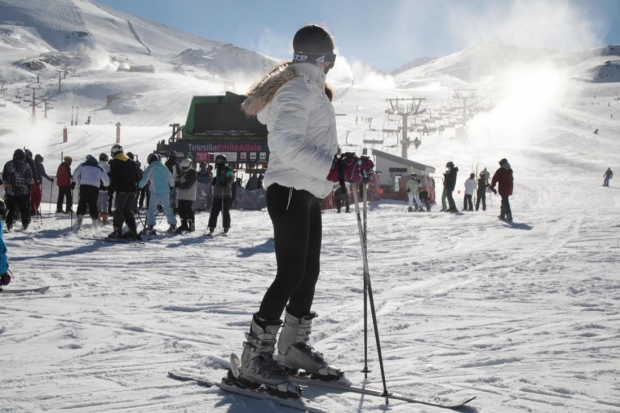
(350, 145)
(372, 137)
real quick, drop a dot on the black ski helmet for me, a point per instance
(314, 44)
(503, 161)
(2, 209)
(19, 154)
(28, 153)
(153, 158)
(103, 157)
(472, 175)
(130, 155)
(220, 160)
(38, 158)
(450, 164)
(116, 148)
(173, 156)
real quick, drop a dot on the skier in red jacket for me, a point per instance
(503, 177)
(63, 180)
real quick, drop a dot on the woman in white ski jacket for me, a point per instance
(295, 104)
(90, 176)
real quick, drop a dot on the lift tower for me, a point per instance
(465, 95)
(405, 108)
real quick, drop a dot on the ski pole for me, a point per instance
(365, 227)
(51, 189)
(385, 393)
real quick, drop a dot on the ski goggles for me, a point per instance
(301, 57)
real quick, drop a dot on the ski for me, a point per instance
(261, 393)
(116, 240)
(339, 385)
(25, 290)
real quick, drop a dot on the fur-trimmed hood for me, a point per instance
(263, 92)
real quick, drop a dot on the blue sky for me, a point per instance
(389, 33)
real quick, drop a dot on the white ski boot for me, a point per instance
(257, 365)
(295, 353)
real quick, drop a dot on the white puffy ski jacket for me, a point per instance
(302, 127)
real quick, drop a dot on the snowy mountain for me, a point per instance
(489, 60)
(523, 315)
(107, 53)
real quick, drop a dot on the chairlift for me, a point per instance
(350, 145)
(372, 137)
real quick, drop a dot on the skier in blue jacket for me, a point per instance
(161, 180)
(5, 274)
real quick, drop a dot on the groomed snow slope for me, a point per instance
(524, 316)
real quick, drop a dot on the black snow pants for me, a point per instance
(481, 198)
(451, 203)
(124, 203)
(223, 205)
(505, 211)
(13, 203)
(297, 230)
(186, 212)
(468, 205)
(89, 195)
(64, 192)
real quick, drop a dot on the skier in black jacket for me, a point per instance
(175, 169)
(450, 185)
(124, 181)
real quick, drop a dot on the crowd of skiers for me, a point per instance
(503, 178)
(118, 180)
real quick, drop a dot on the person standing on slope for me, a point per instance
(37, 193)
(103, 204)
(91, 176)
(295, 104)
(123, 182)
(482, 192)
(503, 177)
(450, 184)
(17, 176)
(63, 181)
(413, 191)
(161, 181)
(35, 186)
(608, 175)
(470, 188)
(222, 194)
(186, 185)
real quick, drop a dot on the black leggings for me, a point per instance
(297, 238)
